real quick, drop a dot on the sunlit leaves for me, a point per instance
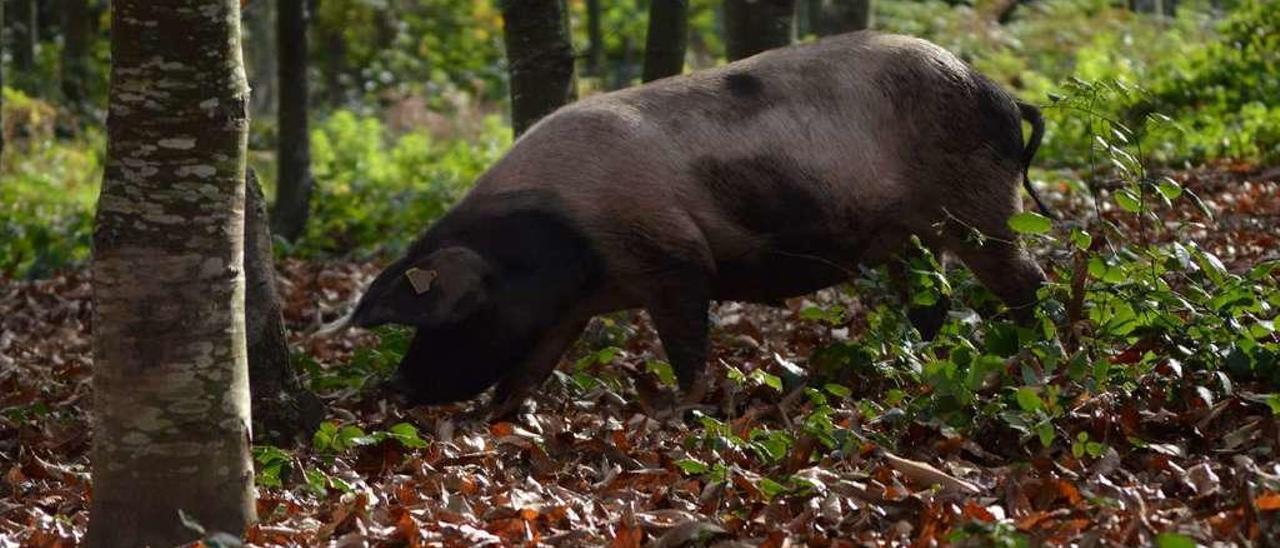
(1029, 222)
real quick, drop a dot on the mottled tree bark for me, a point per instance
(75, 50)
(539, 58)
(284, 412)
(22, 42)
(828, 17)
(752, 26)
(294, 183)
(171, 386)
(595, 40)
(666, 40)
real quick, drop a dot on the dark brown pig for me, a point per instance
(764, 179)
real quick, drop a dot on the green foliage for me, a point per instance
(49, 190)
(1217, 80)
(331, 438)
(368, 365)
(1226, 93)
(429, 48)
(377, 192)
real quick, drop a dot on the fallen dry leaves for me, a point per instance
(592, 467)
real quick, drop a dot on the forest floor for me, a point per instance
(587, 464)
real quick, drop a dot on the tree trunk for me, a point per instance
(595, 40)
(284, 412)
(171, 386)
(1004, 10)
(294, 183)
(22, 41)
(840, 16)
(1167, 8)
(75, 50)
(666, 40)
(539, 58)
(260, 55)
(3, 24)
(752, 26)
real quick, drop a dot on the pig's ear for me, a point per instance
(445, 286)
(420, 280)
(454, 281)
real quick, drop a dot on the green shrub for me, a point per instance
(1226, 93)
(49, 190)
(375, 192)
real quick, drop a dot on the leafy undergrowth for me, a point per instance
(830, 422)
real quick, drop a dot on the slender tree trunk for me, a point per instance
(75, 50)
(1005, 9)
(294, 185)
(840, 16)
(539, 57)
(752, 26)
(260, 45)
(284, 412)
(623, 74)
(22, 41)
(171, 387)
(3, 36)
(595, 40)
(1167, 8)
(667, 39)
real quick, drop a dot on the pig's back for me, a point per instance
(801, 148)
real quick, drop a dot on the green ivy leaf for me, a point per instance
(1028, 400)
(1030, 222)
(1081, 239)
(663, 370)
(1169, 188)
(1128, 200)
(692, 467)
(771, 488)
(1174, 540)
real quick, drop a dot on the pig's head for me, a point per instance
(444, 287)
(469, 332)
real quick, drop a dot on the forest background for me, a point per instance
(1159, 425)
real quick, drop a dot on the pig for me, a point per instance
(757, 181)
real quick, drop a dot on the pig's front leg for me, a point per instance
(680, 316)
(515, 388)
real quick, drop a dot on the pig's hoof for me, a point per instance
(696, 392)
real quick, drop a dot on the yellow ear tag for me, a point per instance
(420, 279)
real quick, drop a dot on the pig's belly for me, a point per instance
(773, 276)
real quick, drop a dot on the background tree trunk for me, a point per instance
(22, 42)
(828, 17)
(170, 379)
(75, 50)
(3, 28)
(1004, 10)
(752, 26)
(260, 43)
(284, 412)
(539, 58)
(595, 40)
(294, 183)
(1168, 8)
(666, 40)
